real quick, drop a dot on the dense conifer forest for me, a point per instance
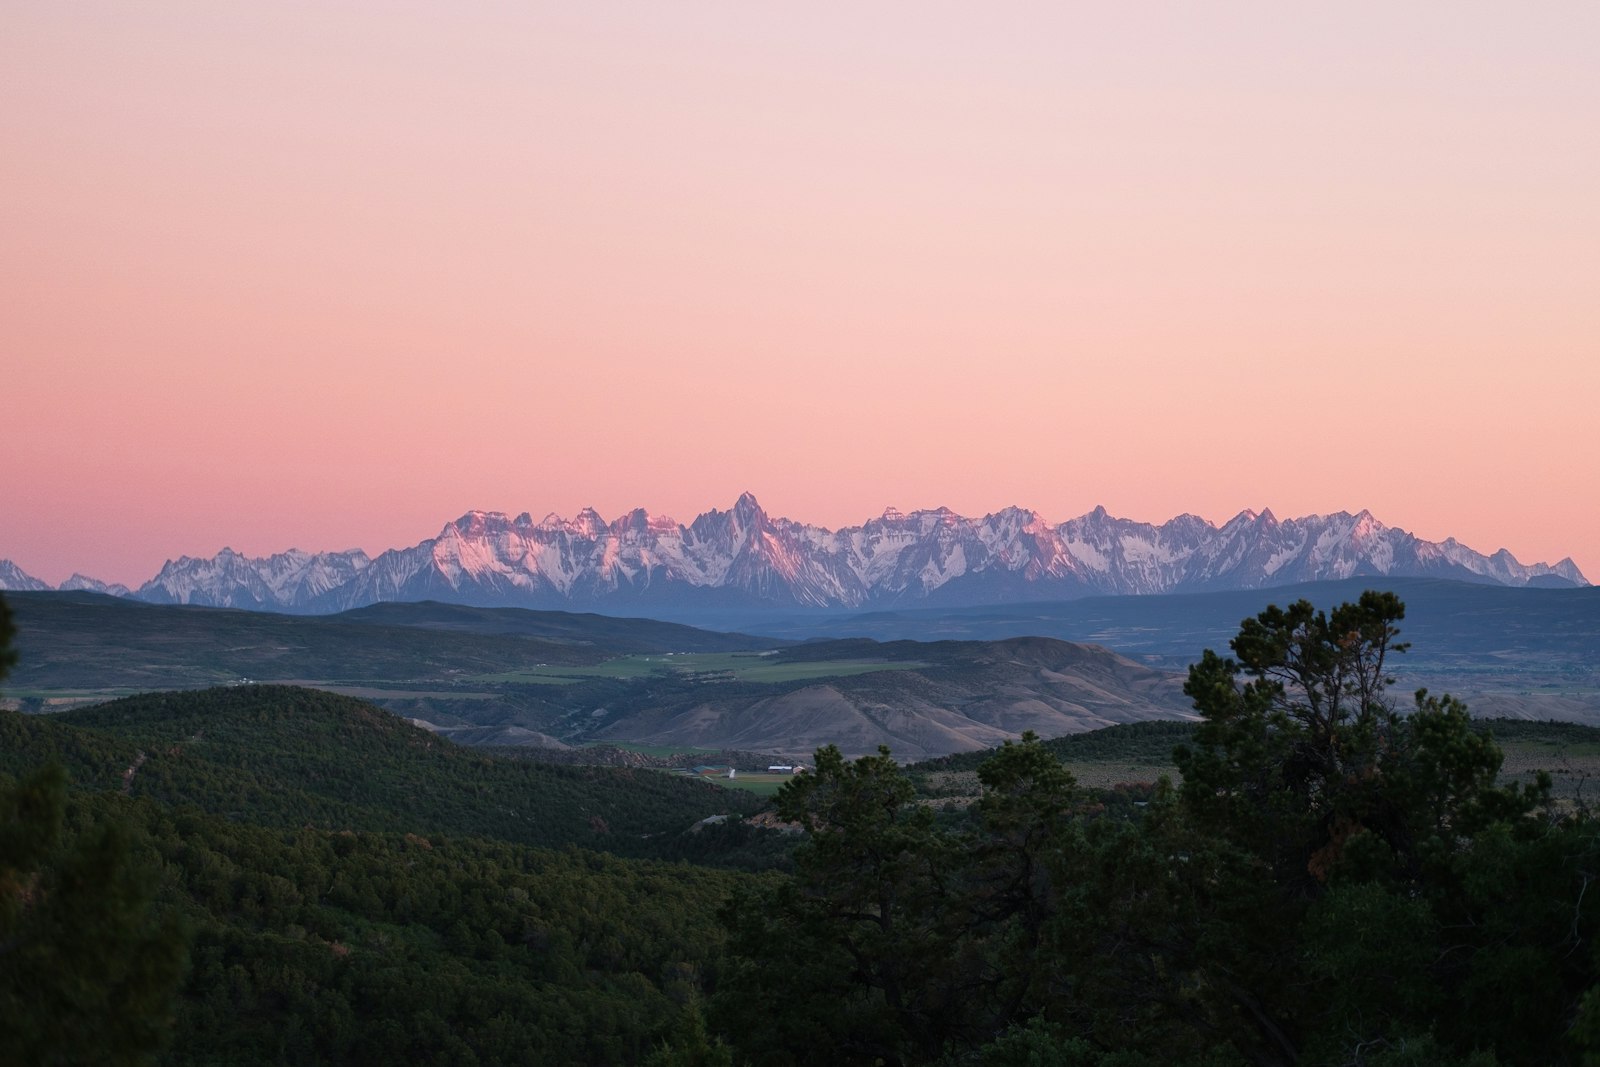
(274, 875)
(291, 757)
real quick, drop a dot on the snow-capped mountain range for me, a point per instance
(743, 559)
(13, 577)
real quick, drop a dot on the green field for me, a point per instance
(757, 782)
(55, 700)
(765, 785)
(756, 667)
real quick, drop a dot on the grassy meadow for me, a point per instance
(760, 668)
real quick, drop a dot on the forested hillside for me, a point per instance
(290, 757)
(344, 888)
(314, 946)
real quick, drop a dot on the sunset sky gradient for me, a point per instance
(327, 275)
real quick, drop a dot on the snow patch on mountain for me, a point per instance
(82, 582)
(14, 579)
(745, 558)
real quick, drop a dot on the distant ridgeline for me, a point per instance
(496, 676)
(744, 560)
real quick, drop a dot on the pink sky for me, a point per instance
(328, 275)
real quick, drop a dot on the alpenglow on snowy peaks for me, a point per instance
(744, 559)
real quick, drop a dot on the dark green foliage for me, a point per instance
(317, 947)
(1336, 882)
(861, 928)
(336, 910)
(1135, 742)
(900, 938)
(1355, 825)
(285, 756)
(1534, 732)
(8, 633)
(690, 1045)
(87, 965)
(312, 946)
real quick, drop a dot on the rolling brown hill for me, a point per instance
(509, 677)
(965, 695)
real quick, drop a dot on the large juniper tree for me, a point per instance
(1363, 844)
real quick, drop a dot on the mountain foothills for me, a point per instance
(1526, 653)
(511, 676)
(744, 559)
(271, 874)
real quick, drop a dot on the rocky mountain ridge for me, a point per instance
(745, 559)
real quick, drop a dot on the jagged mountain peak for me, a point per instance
(635, 521)
(93, 585)
(743, 557)
(476, 521)
(14, 579)
(748, 511)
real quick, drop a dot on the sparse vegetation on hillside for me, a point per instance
(582, 678)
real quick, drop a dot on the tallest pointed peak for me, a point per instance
(747, 506)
